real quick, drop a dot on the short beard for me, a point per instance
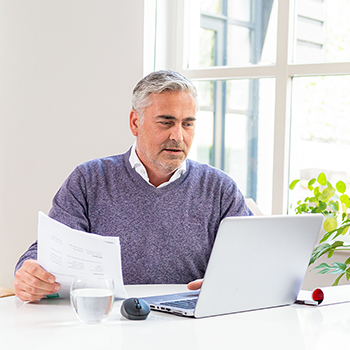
(167, 166)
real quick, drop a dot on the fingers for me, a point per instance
(195, 285)
(32, 282)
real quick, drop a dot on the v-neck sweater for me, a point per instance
(166, 234)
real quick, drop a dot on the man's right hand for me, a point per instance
(32, 282)
(195, 285)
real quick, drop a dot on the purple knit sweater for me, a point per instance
(166, 234)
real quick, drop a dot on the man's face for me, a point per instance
(165, 135)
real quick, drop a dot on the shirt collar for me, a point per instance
(141, 170)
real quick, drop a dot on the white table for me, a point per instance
(52, 324)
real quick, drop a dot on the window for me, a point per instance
(273, 82)
(234, 132)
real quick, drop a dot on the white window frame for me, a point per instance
(175, 57)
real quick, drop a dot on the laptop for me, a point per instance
(256, 262)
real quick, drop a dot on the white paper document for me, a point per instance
(67, 253)
(325, 295)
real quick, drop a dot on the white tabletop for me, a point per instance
(52, 324)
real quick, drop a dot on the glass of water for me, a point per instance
(92, 298)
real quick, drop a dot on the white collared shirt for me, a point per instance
(141, 170)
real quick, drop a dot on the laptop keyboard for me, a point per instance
(183, 304)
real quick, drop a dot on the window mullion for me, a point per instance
(328, 68)
(282, 107)
(217, 73)
(218, 125)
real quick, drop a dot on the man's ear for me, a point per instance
(134, 120)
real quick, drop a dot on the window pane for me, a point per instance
(239, 9)
(213, 6)
(249, 128)
(322, 31)
(236, 151)
(244, 33)
(320, 130)
(202, 146)
(238, 94)
(238, 45)
(206, 53)
(205, 94)
(243, 147)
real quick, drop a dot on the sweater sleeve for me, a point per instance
(69, 207)
(233, 202)
(31, 253)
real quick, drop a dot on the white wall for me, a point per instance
(67, 69)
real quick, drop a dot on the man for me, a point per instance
(165, 209)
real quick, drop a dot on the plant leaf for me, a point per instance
(326, 194)
(345, 230)
(330, 224)
(334, 206)
(322, 206)
(343, 206)
(330, 253)
(337, 244)
(322, 265)
(338, 279)
(326, 236)
(340, 186)
(340, 265)
(341, 231)
(336, 267)
(319, 251)
(322, 180)
(329, 184)
(293, 183)
(317, 193)
(310, 183)
(344, 198)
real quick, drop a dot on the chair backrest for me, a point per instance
(253, 207)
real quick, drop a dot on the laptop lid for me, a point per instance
(257, 262)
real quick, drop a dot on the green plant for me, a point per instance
(333, 203)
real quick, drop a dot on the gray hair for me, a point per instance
(158, 82)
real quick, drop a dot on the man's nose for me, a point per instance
(176, 133)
